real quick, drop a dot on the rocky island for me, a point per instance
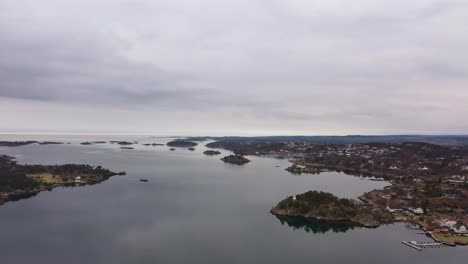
(211, 152)
(236, 159)
(123, 143)
(182, 143)
(29, 142)
(153, 144)
(126, 148)
(16, 143)
(327, 207)
(94, 142)
(50, 143)
(22, 181)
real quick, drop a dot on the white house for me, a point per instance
(448, 222)
(78, 179)
(460, 229)
(417, 210)
(394, 210)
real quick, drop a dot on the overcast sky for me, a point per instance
(237, 67)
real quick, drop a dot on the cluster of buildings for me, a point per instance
(449, 224)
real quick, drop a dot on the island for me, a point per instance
(327, 207)
(236, 159)
(94, 142)
(181, 143)
(19, 181)
(191, 149)
(124, 143)
(50, 143)
(126, 148)
(211, 152)
(153, 144)
(16, 143)
(29, 142)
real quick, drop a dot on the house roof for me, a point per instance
(448, 218)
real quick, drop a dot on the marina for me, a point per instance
(423, 245)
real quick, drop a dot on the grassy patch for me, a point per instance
(452, 238)
(46, 177)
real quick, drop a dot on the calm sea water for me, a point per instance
(194, 209)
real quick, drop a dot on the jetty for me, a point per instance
(422, 245)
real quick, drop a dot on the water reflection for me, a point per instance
(314, 226)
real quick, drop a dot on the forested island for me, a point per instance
(211, 152)
(182, 143)
(325, 206)
(29, 142)
(18, 181)
(153, 144)
(236, 159)
(123, 143)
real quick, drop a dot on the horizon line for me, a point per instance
(58, 133)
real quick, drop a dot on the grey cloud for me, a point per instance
(345, 66)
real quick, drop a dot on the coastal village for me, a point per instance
(429, 183)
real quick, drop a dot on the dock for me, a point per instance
(421, 245)
(411, 245)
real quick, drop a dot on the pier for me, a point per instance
(421, 245)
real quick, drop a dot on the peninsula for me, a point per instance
(19, 181)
